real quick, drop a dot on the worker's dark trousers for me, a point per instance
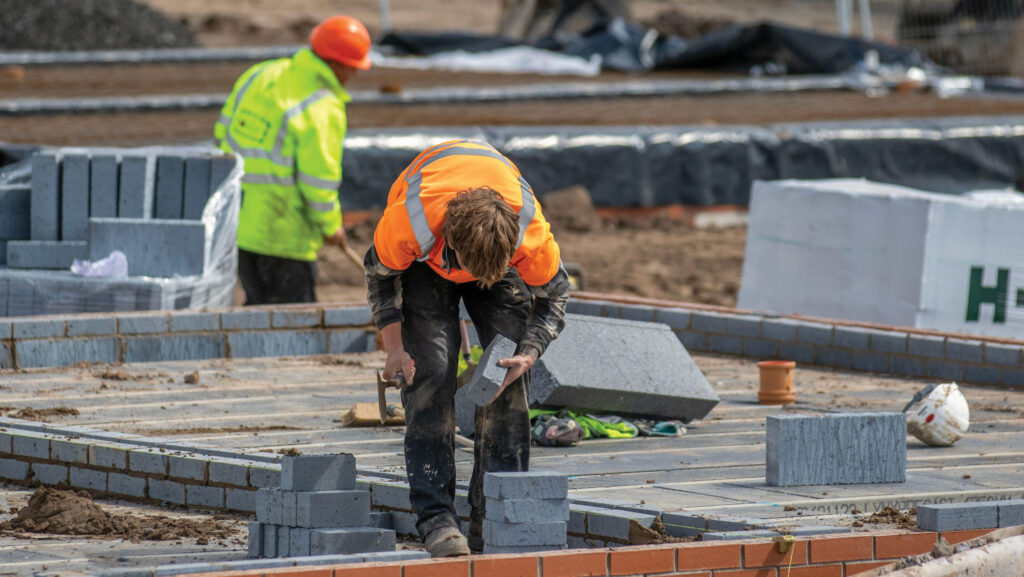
(430, 332)
(275, 280)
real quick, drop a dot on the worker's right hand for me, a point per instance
(337, 239)
(399, 362)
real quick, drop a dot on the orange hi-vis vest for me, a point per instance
(417, 205)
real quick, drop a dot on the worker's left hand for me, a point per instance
(517, 365)
(337, 239)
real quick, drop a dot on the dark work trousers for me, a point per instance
(275, 280)
(430, 333)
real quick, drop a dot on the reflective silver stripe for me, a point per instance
(225, 120)
(282, 133)
(320, 206)
(318, 182)
(268, 179)
(417, 217)
(527, 211)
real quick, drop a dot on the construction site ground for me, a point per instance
(717, 468)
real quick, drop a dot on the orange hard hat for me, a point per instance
(342, 39)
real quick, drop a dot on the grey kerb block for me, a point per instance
(158, 248)
(170, 186)
(317, 509)
(197, 187)
(527, 510)
(523, 534)
(526, 485)
(318, 472)
(102, 187)
(135, 196)
(836, 449)
(1011, 513)
(616, 525)
(352, 540)
(74, 203)
(488, 376)
(45, 254)
(958, 516)
(45, 199)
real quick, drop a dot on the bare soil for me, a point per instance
(30, 414)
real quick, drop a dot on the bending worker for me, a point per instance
(462, 224)
(286, 118)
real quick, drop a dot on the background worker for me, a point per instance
(286, 118)
(455, 221)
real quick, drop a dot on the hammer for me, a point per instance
(398, 381)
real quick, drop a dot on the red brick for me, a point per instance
(954, 537)
(829, 549)
(574, 564)
(639, 561)
(708, 557)
(448, 568)
(506, 566)
(767, 555)
(369, 570)
(862, 566)
(896, 546)
(763, 572)
(830, 570)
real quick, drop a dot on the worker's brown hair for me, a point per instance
(484, 229)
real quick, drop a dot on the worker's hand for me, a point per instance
(337, 239)
(398, 360)
(517, 366)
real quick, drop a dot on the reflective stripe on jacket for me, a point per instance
(410, 228)
(286, 118)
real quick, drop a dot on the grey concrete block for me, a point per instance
(851, 338)
(1005, 355)
(983, 375)
(37, 328)
(49, 474)
(172, 348)
(13, 469)
(197, 187)
(240, 499)
(6, 356)
(390, 496)
(45, 254)
(684, 524)
(740, 535)
(135, 196)
(351, 341)
(675, 318)
(760, 348)
(835, 449)
(270, 506)
(797, 352)
(74, 215)
(707, 322)
(45, 197)
(261, 477)
(381, 520)
(693, 341)
(321, 509)
(5, 329)
(298, 542)
(404, 523)
(194, 322)
(30, 444)
(350, 540)
(131, 324)
(958, 516)
(615, 525)
(88, 479)
(964, 350)
(126, 485)
(102, 187)
(811, 530)
(889, 342)
(67, 352)
(524, 534)
(167, 490)
(255, 539)
(6, 441)
(170, 187)
(644, 314)
(220, 170)
(284, 541)
(526, 485)
(1011, 513)
(1013, 378)
(488, 376)
(289, 508)
(203, 496)
(149, 461)
(109, 456)
(527, 510)
(927, 346)
(91, 326)
(348, 317)
(157, 248)
(288, 319)
(743, 325)
(389, 556)
(814, 333)
(229, 472)
(69, 451)
(834, 357)
(621, 367)
(277, 344)
(590, 308)
(191, 467)
(270, 540)
(906, 366)
(318, 472)
(725, 344)
(512, 550)
(779, 329)
(944, 370)
(872, 362)
(735, 523)
(247, 319)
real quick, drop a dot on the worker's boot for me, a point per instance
(446, 541)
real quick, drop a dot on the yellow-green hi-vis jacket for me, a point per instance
(286, 118)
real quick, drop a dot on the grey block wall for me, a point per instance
(159, 248)
(836, 449)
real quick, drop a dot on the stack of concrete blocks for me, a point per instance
(973, 515)
(526, 512)
(317, 511)
(84, 204)
(836, 449)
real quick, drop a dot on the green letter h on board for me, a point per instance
(978, 295)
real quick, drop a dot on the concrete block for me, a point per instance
(983, 375)
(488, 376)
(674, 318)
(512, 550)
(615, 525)
(277, 344)
(126, 485)
(814, 333)
(157, 248)
(404, 523)
(740, 535)
(836, 449)
(191, 467)
(693, 341)
(684, 524)
(255, 539)
(69, 451)
(526, 485)
(148, 461)
(298, 542)
(798, 352)
(29, 444)
(88, 479)
(834, 357)
(811, 530)
(284, 541)
(261, 477)
(743, 325)
(109, 456)
(74, 198)
(623, 368)
(242, 320)
(220, 170)
(779, 329)
(1005, 355)
(203, 496)
(1013, 378)
(350, 540)
(889, 342)
(760, 348)
(707, 322)
(927, 346)
(6, 441)
(962, 350)
(45, 254)
(135, 196)
(348, 317)
(381, 520)
(240, 499)
(49, 474)
(527, 510)
(320, 509)
(270, 540)
(270, 506)
(172, 348)
(45, 197)
(906, 366)
(37, 328)
(871, 362)
(390, 496)
(194, 322)
(945, 370)
(143, 324)
(91, 326)
(229, 472)
(851, 338)
(462, 506)
(352, 341)
(13, 470)
(288, 508)
(318, 472)
(390, 556)
(67, 352)
(170, 186)
(289, 319)
(167, 490)
(197, 187)
(590, 308)
(5, 327)
(102, 187)
(735, 523)
(725, 344)
(524, 534)
(1011, 513)
(958, 516)
(6, 356)
(636, 313)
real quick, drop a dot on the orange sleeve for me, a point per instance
(539, 256)
(394, 239)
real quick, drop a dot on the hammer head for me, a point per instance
(382, 401)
